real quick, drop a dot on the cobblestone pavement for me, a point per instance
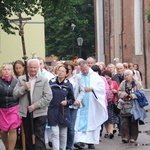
(142, 143)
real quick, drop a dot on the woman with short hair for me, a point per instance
(127, 89)
(111, 94)
(58, 110)
(10, 120)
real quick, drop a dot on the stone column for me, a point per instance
(138, 27)
(99, 20)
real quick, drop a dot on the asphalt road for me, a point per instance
(142, 143)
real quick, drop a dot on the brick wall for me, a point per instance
(126, 38)
(107, 29)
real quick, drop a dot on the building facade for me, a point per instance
(122, 31)
(34, 35)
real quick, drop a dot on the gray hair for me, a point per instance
(91, 59)
(33, 60)
(7, 64)
(83, 62)
(119, 65)
(116, 59)
(128, 71)
(79, 59)
(111, 65)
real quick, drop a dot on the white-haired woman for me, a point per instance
(10, 120)
(129, 126)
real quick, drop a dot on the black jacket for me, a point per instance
(6, 93)
(58, 114)
(116, 78)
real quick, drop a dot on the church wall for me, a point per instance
(127, 51)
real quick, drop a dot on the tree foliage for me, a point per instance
(59, 15)
(30, 7)
(148, 15)
(8, 8)
(61, 40)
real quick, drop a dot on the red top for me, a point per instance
(110, 95)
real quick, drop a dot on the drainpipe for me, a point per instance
(122, 30)
(109, 29)
(144, 48)
(95, 22)
(104, 31)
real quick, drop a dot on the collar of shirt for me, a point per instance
(33, 77)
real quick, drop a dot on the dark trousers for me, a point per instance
(129, 128)
(39, 130)
(119, 124)
(101, 130)
(18, 145)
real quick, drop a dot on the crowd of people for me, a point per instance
(68, 105)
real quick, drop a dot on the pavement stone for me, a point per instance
(142, 143)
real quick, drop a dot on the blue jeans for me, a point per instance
(70, 133)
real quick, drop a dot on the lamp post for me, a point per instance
(80, 43)
(73, 27)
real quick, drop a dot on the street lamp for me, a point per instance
(80, 43)
(73, 27)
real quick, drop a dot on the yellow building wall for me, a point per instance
(34, 34)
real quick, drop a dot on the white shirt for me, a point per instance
(32, 83)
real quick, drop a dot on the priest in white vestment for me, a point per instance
(94, 114)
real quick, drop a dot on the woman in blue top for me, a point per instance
(58, 111)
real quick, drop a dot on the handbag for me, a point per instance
(126, 108)
(142, 100)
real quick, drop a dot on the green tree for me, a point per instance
(148, 15)
(30, 7)
(59, 34)
(59, 15)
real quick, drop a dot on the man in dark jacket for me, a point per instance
(119, 77)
